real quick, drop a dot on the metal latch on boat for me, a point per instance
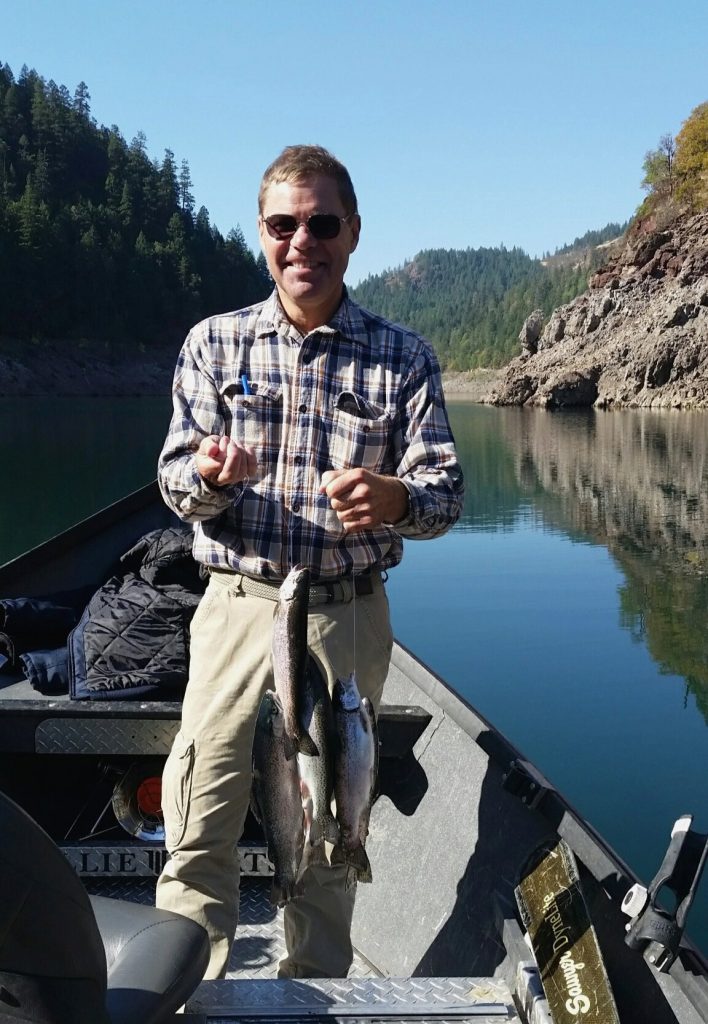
(656, 930)
(522, 779)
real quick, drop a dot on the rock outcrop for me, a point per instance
(637, 338)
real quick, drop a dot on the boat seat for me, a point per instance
(67, 958)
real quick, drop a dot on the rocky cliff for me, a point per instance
(637, 338)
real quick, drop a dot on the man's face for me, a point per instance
(309, 273)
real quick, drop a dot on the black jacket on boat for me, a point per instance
(132, 641)
(33, 635)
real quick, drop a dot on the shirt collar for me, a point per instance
(347, 320)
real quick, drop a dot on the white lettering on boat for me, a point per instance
(554, 917)
(577, 1002)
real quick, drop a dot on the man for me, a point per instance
(305, 430)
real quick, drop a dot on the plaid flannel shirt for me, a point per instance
(358, 392)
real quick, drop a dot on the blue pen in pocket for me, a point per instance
(245, 385)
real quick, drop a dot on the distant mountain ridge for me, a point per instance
(470, 303)
(101, 244)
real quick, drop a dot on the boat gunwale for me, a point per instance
(86, 528)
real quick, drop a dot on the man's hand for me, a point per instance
(221, 461)
(363, 499)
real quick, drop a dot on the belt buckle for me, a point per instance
(321, 593)
(331, 592)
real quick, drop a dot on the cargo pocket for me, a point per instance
(177, 789)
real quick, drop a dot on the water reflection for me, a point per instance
(635, 482)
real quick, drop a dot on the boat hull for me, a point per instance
(459, 813)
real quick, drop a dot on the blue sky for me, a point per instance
(463, 123)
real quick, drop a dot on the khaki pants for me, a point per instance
(207, 777)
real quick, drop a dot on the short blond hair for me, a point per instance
(298, 163)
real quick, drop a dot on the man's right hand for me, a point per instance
(221, 461)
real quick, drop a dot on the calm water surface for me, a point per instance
(569, 606)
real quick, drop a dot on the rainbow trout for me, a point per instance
(289, 651)
(317, 772)
(276, 800)
(355, 773)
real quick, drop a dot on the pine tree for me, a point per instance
(81, 101)
(186, 197)
(168, 188)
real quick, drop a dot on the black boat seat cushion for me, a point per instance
(66, 958)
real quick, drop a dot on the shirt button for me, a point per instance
(298, 460)
(302, 408)
(296, 506)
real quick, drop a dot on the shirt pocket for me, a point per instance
(256, 419)
(360, 435)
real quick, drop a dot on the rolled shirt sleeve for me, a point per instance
(195, 415)
(428, 464)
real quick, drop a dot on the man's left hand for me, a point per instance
(363, 499)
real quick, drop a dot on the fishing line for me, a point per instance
(353, 579)
(239, 498)
(287, 525)
(354, 618)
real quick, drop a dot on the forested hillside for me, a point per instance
(471, 303)
(97, 239)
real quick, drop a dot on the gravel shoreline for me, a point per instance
(82, 369)
(470, 385)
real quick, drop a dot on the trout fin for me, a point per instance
(255, 808)
(324, 828)
(308, 746)
(290, 746)
(331, 830)
(356, 859)
(312, 855)
(283, 892)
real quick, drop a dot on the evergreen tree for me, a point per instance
(186, 196)
(168, 189)
(97, 240)
(81, 101)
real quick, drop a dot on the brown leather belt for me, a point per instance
(330, 592)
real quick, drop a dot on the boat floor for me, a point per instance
(260, 940)
(364, 994)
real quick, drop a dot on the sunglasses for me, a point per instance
(320, 225)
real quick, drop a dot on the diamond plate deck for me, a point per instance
(260, 941)
(133, 736)
(419, 999)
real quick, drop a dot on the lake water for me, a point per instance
(570, 604)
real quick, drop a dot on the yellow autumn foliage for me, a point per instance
(691, 162)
